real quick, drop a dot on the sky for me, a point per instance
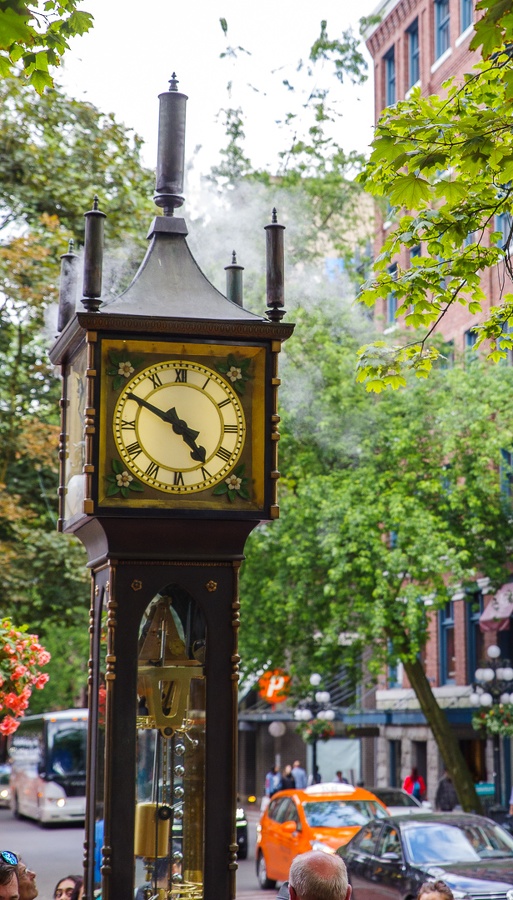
(127, 59)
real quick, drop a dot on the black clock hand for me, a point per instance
(179, 426)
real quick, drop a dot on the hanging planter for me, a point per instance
(316, 730)
(21, 658)
(495, 720)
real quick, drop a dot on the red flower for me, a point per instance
(8, 725)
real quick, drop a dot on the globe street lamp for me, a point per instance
(315, 709)
(493, 685)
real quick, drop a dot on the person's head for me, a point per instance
(287, 770)
(78, 890)
(26, 881)
(338, 773)
(65, 887)
(8, 876)
(435, 890)
(318, 876)
(297, 764)
(414, 773)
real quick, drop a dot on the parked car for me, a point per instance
(5, 787)
(241, 823)
(319, 818)
(398, 801)
(391, 858)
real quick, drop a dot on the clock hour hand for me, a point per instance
(179, 426)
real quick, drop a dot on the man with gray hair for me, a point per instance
(318, 876)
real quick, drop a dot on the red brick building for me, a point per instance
(424, 42)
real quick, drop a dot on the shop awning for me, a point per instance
(497, 614)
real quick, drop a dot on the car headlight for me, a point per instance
(4, 794)
(240, 814)
(318, 845)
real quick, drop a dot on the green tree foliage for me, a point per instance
(314, 168)
(36, 35)
(55, 155)
(389, 505)
(445, 163)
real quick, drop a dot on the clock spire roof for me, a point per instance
(169, 282)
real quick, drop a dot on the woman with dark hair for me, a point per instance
(414, 784)
(435, 890)
(65, 887)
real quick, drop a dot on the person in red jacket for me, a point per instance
(415, 785)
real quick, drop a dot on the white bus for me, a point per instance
(48, 758)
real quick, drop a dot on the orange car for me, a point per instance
(322, 817)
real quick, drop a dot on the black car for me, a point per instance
(391, 858)
(241, 823)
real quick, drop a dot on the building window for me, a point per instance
(475, 641)
(415, 252)
(507, 329)
(442, 23)
(392, 298)
(506, 475)
(447, 645)
(466, 15)
(390, 97)
(413, 54)
(504, 225)
(470, 338)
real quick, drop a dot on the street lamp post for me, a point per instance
(493, 685)
(315, 707)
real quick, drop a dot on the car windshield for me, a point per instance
(397, 798)
(341, 813)
(436, 842)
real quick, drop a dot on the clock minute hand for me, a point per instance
(179, 426)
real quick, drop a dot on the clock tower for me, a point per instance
(168, 461)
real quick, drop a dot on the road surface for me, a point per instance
(56, 852)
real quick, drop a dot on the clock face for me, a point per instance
(179, 426)
(74, 437)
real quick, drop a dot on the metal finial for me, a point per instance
(171, 149)
(275, 265)
(234, 288)
(71, 245)
(95, 202)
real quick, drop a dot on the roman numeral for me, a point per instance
(181, 375)
(224, 454)
(224, 402)
(134, 449)
(230, 429)
(127, 424)
(155, 379)
(206, 474)
(153, 470)
(178, 479)
(206, 382)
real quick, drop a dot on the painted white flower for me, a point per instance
(123, 479)
(125, 368)
(234, 483)
(234, 373)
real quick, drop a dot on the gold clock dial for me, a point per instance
(179, 426)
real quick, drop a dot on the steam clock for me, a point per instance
(168, 461)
